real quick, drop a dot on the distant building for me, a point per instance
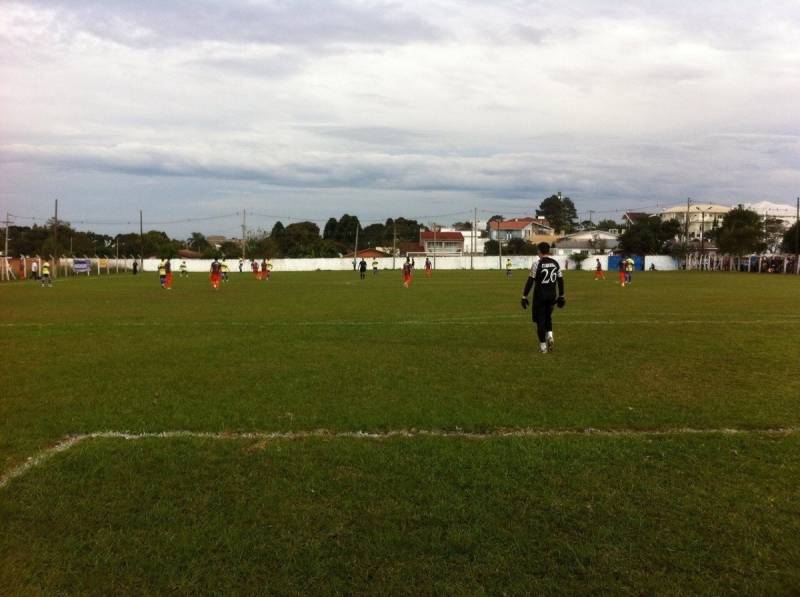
(703, 217)
(594, 241)
(441, 242)
(368, 254)
(474, 240)
(630, 218)
(528, 229)
(787, 214)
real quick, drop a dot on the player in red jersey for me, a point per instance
(407, 269)
(168, 266)
(598, 271)
(216, 274)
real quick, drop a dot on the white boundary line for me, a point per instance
(499, 320)
(73, 440)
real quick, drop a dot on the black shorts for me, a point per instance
(542, 309)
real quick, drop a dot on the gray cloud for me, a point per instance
(283, 22)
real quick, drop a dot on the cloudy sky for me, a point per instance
(310, 109)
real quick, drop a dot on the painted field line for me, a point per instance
(500, 320)
(73, 440)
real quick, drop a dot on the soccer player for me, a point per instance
(224, 270)
(547, 282)
(508, 268)
(46, 275)
(628, 270)
(374, 266)
(168, 270)
(241, 265)
(428, 267)
(162, 273)
(407, 269)
(35, 269)
(362, 268)
(184, 269)
(622, 272)
(598, 270)
(254, 267)
(263, 269)
(216, 269)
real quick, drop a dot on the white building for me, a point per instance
(787, 214)
(472, 238)
(703, 217)
(593, 241)
(527, 229)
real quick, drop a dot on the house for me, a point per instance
(368, 254)
(702, 217)
(629, 218)
(528, 229)
(441, 242)
(593, 241)
(474, 240)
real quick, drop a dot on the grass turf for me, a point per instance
(316, 350)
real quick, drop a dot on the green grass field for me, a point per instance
(666, 501)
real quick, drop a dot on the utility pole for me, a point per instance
(244, 232)
(796, 238)
(55, 242)
(117, 259)
(474, 241)
(394, 240)
(5, 251)
(141, 242)
(434, 245)
(355, 253)
(500, 244)
(591, 216)
(686, 224)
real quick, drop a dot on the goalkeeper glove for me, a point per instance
(560, 302)
(524, 302)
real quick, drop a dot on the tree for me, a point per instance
(463, 226)
(492, 247)
(518, 246)
(607, 225)
(560, 212)
(302, 239)
(790, 238)
(588, 225)
(495, 218)
(741, 233)
(346, 230)
(649, 236)
(329, 232)
(374, 235)
(197, 242)
(230, 249)
(407, 230)
(579, 258)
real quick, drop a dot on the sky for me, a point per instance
(308, 109)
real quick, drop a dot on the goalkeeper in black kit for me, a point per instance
(547, 282)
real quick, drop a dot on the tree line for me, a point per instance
(740, 232)
(298, 239)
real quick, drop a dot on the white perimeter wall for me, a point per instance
(662, 262)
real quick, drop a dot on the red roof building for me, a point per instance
(440, 242)
(524, 228)
(368, 253)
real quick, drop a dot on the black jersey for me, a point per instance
(547, 279)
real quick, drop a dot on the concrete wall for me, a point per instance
(384, 263)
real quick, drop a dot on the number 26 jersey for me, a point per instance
(546, 274)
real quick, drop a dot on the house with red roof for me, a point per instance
(528, 229)
(440, 242)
